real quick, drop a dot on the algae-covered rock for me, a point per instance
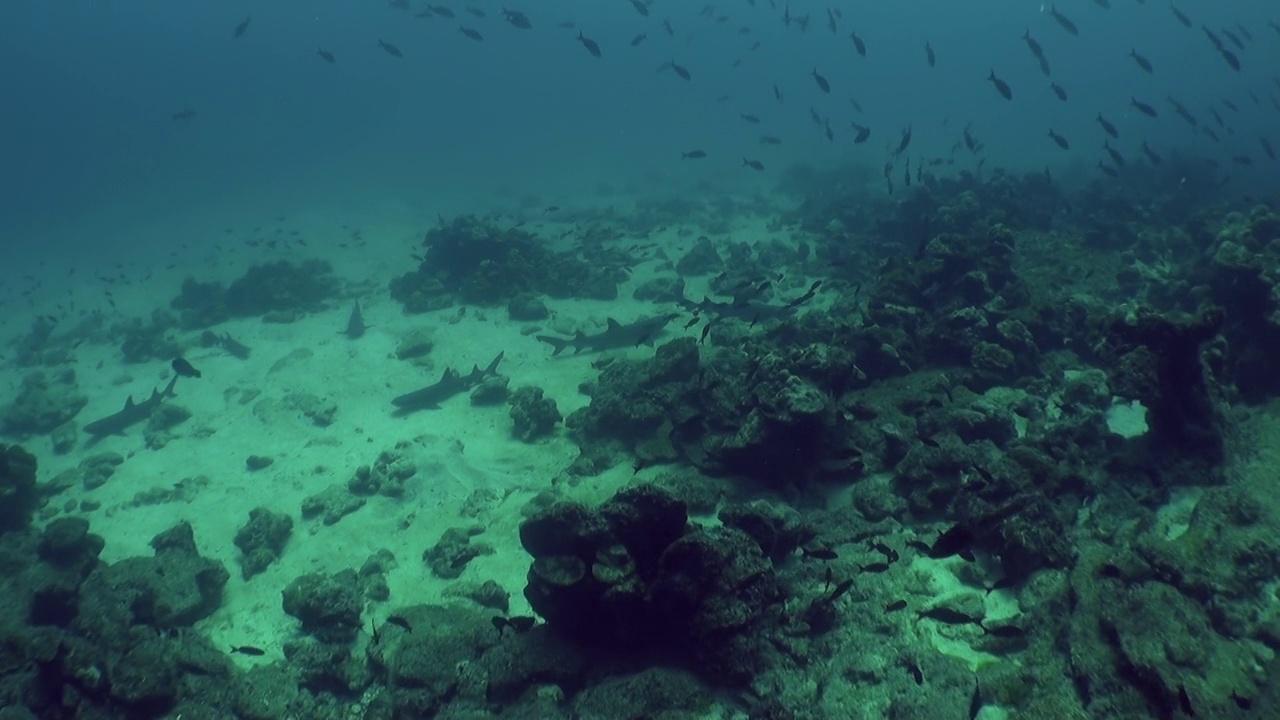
(533, 415)
(18, 493)
(328, 606)
(45, 401)
(451, 554)
(262, 540)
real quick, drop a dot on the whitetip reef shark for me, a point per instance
(616, 335)
(450, 383)
(132, 413)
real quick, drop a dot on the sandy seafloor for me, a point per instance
(459, 448)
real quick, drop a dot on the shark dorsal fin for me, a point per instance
(614, 324)
(128, 403)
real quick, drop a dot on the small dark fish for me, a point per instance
(1151, 155)
(441, 10)
(1032, 44)
(390, 49)
(858, 45)
(863, 134)
(680, 70)
(635, 41)
(903, 142)
(1182, 17)
(777, 94)
(1001, 85)
(242, 28)
(1184, 701)
(1231, 59)
(326, 56)
(1003, 631)
(1057, 90)
(1266, 147)
(840, 590)
(522, 623)
(591, 45)
(640, 7)
(473, 34)
(949, 616)
(1107, 126)
(1061, 141)
(753, 164)
(1217, 42)
(895, 606)
(1143, 63)
(184, 368)
(875, 567)
(770, 140)
(915, 671)
(823, 85)
(1143, 108)
(1116, 157)
(248, 650)
(518, 624)
(818, 554)
(183, 115)
(1241, 701)
(1108, 170)
(1063, 21)
(705, 330)
(693, 155)
(517, 19)
(551, 209)
(750, 118)
(1232, 37)
(399, 622)
(928, 54)
(692, 321)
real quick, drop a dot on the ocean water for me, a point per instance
(92, 157)
(144, 144)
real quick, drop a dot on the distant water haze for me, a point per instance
(88, 141)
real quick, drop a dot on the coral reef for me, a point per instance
(472, 260)
(280, 291)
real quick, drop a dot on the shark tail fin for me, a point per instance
(168, 389)
(558, 343)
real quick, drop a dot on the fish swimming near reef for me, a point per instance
(132, 413)
(184, 368)
(616, 335)
(451, 383)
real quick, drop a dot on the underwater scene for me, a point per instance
(640, 360)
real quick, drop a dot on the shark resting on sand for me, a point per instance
(450, 383)
(616, 335)
(132, 414)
